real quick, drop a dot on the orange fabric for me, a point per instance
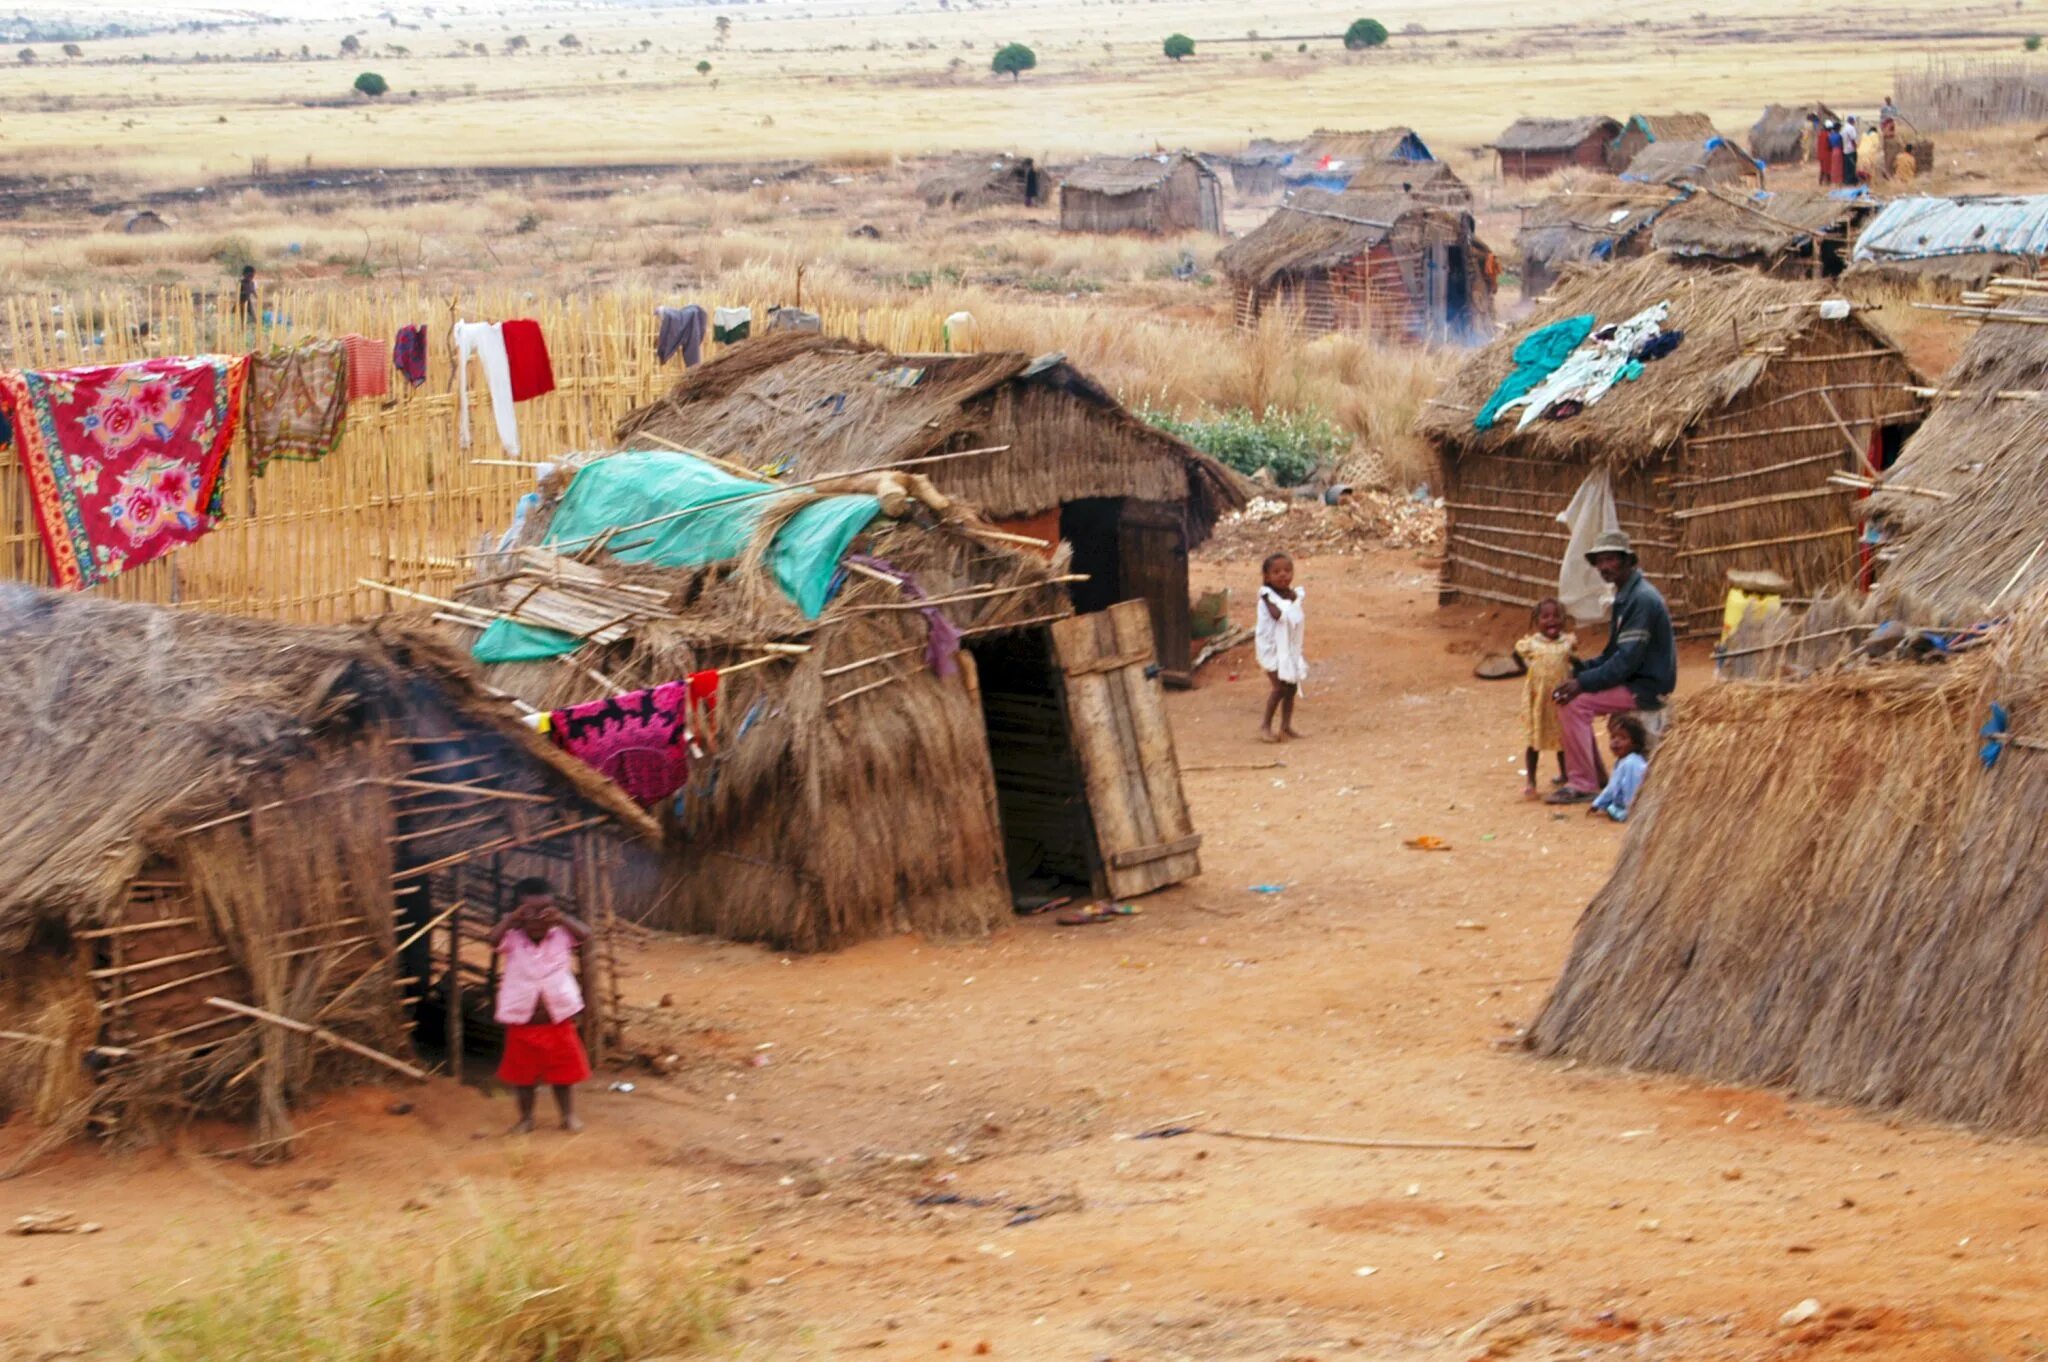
(1045, 525)
(369, 367)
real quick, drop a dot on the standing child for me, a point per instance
(538, 1001)
(1277, 643)
(1546, 660)
(1630, 743)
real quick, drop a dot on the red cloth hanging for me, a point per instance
(526, 353)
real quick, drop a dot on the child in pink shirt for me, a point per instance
(538, 1001)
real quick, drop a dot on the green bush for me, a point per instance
(1291, 443)
(371, 84)
(2033, 43)
(1013, 60)
(1179, 45)
(1365, 33)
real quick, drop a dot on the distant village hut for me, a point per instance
(1796, 233)
(1783, 135)
(1714, 160)
(1717, 456)
(978, 183)
(1382, 265)
(1158, 194)
(1642, 130)
(148, 222)
(1255, 172)
(1329, 159)
(1428, 182)
(1949, 245)
(1531, 148)
(1599, 223)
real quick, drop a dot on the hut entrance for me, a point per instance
(1135, 550)
(1041, 796)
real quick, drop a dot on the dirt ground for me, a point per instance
(1368, 995)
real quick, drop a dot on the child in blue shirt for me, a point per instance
(1630, 744)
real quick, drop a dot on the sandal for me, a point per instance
(1568, 795)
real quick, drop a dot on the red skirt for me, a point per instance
(543, 1052)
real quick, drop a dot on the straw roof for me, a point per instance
(975, 182)
(815, 400)
(1780, 134)
(1865, 927)
(1734, 322)
(1673, 127)
(1265, 151)
(1430, 181)
(1732, 225)
(1977, 541)
(1116, 176)
(1379, 144)
(1679, 161)
(126, 723)
(1590, 223)
(1315, 230)
(1555, 134)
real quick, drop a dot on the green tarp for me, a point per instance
(626, 489)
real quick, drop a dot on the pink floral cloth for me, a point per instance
(535, 973)
(637, 739)
(124, 461)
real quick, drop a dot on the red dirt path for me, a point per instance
(1656, 1217)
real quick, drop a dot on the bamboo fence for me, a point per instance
(401, 500)
(1948, 94)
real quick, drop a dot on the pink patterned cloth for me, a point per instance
(535, 973)
(637, 739)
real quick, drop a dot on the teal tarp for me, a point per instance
(626, 489)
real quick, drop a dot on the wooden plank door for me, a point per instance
(1117, 715)
(1152, 566)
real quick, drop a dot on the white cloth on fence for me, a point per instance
(1591, 514)
(487, 342)
(1277, 642)
(1597, 365)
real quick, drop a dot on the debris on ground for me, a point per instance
(1364, 520)
(52, 1222)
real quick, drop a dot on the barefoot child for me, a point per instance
(1277, 643)
(1630, 744)
(1546, 660)
(538, 1001)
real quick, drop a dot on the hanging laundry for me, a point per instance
(409, 353)
(961, 333)
(681, 328)
(942, 636)
(1596, 366)
(635, 739)
(298, 402)
(793, 319)
(1536, 356)
(526, 353)
(729, 324)
(124, 462)
(6, 430)
(369, 368)
(1660, 345)
(487, 343)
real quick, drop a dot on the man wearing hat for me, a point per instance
(1637, 669)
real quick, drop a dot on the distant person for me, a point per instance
(1630, 743)
(245, 303)
(1637, 669)
(1545, 658)
(1031, 186)
(1276, 641)
(1852, 137)
(539, 1001)
(1831, 163)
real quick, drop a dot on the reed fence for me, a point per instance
(1948, 94)
(401, 500)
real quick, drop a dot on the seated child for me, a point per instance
(1630, 745)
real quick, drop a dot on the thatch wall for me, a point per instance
(1783, 135)
(1732, 429)
(1642, 130)
(982, 182)
(1430, 182)
(1145, 194)
(1867, 926)
(1582, 228)
(1713, 160)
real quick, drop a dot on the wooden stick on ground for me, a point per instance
(241, 1149)
(1346, 1142)
(321, 1034)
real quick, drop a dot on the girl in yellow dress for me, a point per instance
(1546, 659)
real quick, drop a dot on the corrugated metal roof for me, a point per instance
(1923, 228)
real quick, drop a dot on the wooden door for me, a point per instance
(1152, 566)
(1117, 714)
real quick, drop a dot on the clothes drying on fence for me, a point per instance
(636, 739)
(526, 354)
(409, 353)
(298, 402)
(729, 324)
(487, 343)
(124, 461)
(794, 319)
(680, 328)
(369, 367)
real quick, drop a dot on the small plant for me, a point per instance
(703, 68)
(1293, 444)
(73, 51)
(1179, 46)
(516, 43)
(530, 222)
(371, 84)
(1013, 60)
(27, 56)
(351, 45)
(570, 40)
(2033, 42)
(1365, 33)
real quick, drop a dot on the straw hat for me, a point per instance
(1611, 541)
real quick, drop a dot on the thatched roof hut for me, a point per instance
(1643, 129)
(1255, 172)
(1075, 465)
(1953, 244)
(1328, 159)
(1381, 264)
(279, 816)
(1800, 233)
(979, 182)
(856, 784)
(1783, 136)
(1430, 182)
(1531, 148)
(1717, 455)
(1595, 224)
(1712, 160)
(1823, 888)
(1167, 193)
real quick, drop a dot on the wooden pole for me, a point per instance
(454, 999)
(1278, 1137)
(322, 1035)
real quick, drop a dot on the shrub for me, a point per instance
(703, 68)
(2033, 42)
(1013, 60)
(1179, 45)
(371, 84)
(1291, 443)
(351, 45)
(1365, 33)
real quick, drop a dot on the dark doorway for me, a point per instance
(1041, 795)
(1090, 525)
